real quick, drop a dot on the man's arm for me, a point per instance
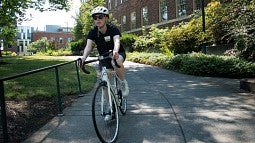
(87, 49)
(116, 40)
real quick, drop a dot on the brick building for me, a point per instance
(55, 34)
(59, 39)
(135, 14)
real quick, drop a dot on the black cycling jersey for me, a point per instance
(105, 41)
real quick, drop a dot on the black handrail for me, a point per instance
(3, 120)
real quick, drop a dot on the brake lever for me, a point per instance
(82, 66)
(84, 70)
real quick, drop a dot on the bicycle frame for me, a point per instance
(110, 77)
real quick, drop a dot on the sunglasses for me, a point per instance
(101, 16)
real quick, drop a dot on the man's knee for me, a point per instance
(120, 60)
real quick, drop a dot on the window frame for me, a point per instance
(163, 11)
(124, 23)
(144, 16)
(60, 40)
(133, 20)
(181, 8)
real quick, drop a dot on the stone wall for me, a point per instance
(218, 50)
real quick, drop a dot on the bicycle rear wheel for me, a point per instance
(106, 130)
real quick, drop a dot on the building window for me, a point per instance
(1, 44)
(124, 23)
(61, 41)
(69, 39)
(109, 4)
(84, 1)
(116, 3)
(133, 20)
(29, 35)
(19, 35)
(44, 38)
(145, 20)
(20, 43)
(163, 11)
(52, 39)
(197, 4)
(181, 4)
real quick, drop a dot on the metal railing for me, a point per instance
(3, 118)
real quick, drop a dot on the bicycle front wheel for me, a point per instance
(106, 129)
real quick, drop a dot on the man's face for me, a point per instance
(99, 19)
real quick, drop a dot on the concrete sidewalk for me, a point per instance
(164, 107)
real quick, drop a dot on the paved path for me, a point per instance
(165, 107)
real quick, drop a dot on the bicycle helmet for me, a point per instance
(100, 10)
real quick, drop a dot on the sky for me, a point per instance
(62, 18)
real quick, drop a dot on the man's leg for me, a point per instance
(120, 71)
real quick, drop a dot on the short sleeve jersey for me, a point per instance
(105, 41)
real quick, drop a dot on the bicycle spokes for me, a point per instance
(106, 129)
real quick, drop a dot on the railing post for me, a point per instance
(4, 134)
(78, 77)
(60, 112)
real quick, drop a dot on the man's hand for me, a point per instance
(82, 62)
(115, 54)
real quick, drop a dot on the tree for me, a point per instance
(41, 45)
(241, 26)
(215, 22)
(84, 18)
(13, 12)
(84, 22)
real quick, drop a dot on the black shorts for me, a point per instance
(107, 63)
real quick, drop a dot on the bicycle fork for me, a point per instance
(106, 95)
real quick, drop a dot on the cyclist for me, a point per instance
(107, 37)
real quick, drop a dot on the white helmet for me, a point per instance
(100, 10)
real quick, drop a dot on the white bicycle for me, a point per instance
(106, 102)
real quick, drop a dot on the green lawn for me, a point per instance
(42, 83)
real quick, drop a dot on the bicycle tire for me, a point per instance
(123, 103)
(107, 131)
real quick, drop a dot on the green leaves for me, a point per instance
(198, 64)
(240, 26)
(210, 65)
(84, 21)
(151, 41)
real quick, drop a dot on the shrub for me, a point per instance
(183, 39)
(77, 47)
(155, 59)
(128, 40)
(198, 64)
(8, 53)
(151, 42)
(41, 45)
(240, 26)
(210, 65)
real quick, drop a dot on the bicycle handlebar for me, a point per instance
(100, 58)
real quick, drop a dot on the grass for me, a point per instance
(42, 83)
